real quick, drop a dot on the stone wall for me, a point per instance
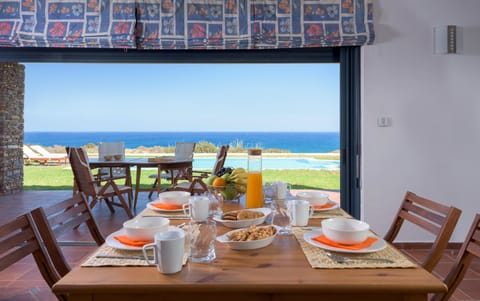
(12, 84)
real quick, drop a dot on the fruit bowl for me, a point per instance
(228, 192)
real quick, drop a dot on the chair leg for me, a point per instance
(123, 203)
(153, 187)
(109, 204)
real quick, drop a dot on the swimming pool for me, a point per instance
(272, 163)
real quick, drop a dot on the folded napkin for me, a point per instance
(325, 206)
(364, 244)
(164, 206)
(124, 239)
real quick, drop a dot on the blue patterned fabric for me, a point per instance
(186, 24)
(60, 23)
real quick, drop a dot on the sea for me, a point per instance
(294, 142)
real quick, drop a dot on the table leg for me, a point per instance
(137, 186)
(159, 180)
(128, 182)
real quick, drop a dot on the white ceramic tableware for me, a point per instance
(198, 207)
(300, 211)
(379, 245)
(202, 240)
(249, 244)
(345, 231)
(245, 223)
(145, 228)
(316, 198)
(173, 197)
(168, 250)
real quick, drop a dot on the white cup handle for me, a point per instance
(184, 207)
(310, 211)
(145, 255)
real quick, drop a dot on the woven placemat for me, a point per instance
(337, 212)
(105, 250)
(318, 259)
(172, 215)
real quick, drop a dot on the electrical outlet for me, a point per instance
(384, 121)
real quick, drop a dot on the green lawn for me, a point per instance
(61, 178)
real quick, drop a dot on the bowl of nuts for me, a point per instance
(253, 237)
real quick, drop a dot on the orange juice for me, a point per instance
(254, 190)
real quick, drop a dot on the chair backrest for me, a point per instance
(438, 219)
(81, 170)
(39, 149)
(111, 148)
(55, 220)
(221, 157)
(20, 238)
(184, 150)
(27, 151)
(469, 250)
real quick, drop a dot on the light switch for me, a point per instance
(384, 121)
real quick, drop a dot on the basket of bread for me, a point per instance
(243, 218)
(253, 237)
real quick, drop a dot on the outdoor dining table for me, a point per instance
(160, 164)
(278, 272)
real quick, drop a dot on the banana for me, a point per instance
(239, 170)
(240, 188)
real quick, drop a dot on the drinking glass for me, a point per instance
(216, 202)
(202, 235)
(282, 219)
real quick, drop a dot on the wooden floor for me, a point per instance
(22, 282)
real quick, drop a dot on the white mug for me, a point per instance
(198, 207)
(280, 190)
(168, 250)
(299, 211)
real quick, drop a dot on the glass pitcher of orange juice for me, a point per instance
(254, 198)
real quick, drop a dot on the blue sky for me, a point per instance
(181, 97)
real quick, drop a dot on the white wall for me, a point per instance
(433, 145)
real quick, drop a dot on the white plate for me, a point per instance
(246, 245)
(245, 223)
(112, 242)
(335, 206)
(380, 244)
(150, 206)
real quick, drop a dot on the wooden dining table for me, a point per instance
(161, 164)
(278, 272)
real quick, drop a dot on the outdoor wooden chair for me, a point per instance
(183, 151)
(196, 185)
(96, 189)
(20, 238)
(438, 219)
(111, 149)
(469, 250)
(56, 220)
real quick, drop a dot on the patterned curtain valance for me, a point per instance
(186, 24)
(64, 23)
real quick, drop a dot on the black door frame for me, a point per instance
(348, 57)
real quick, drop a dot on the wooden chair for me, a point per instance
(183, 151)
(111, 149)
(469, 250)
(436, 218)
(55, 220)
(20, 238)
(196, 185)
(96, 189)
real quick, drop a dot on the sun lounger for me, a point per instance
(31, 155)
